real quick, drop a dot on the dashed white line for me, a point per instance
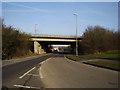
(26, 73)
(27, 86)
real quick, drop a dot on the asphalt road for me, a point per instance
(55, 71)
(59, 72)
(11, 73)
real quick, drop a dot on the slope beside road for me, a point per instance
(59, 72)
(13, 61)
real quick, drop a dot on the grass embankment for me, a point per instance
(109, 65)
(112, 55)
(75, 58)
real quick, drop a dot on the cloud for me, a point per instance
(31, 9)
(18, 10)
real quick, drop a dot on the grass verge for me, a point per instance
(75, 58)
(112, 55)
(109, 65)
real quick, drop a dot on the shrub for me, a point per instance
(14, 42)
(98, 39)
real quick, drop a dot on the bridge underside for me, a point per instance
(45, 46)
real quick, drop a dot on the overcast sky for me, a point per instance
(57, 17)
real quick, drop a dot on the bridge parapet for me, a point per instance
(64, 39)
(48, 35)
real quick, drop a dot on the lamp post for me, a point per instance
(35, 41)
(76, 36)
(35, 31)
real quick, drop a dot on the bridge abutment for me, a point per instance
(38, 48)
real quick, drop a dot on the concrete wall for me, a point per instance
(38, 48)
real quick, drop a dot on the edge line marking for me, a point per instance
(45, 60)
(41, 76)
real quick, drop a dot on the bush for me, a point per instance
(98, 39)
(14, 42)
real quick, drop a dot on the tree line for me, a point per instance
(14, 42)
(98, 39)
(94, 40)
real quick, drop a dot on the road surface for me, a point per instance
(11, 73)
(59, 72)
(55, 71)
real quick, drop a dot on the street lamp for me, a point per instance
(35, 31)
(76, 36)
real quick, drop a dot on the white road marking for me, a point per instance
(42, 62)
(65, 57)
(26, 86)
(41, 76)
(45, 60)
(33, 74)
(26, 73)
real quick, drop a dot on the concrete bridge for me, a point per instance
(42, 43)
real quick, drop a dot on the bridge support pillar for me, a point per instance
(38, 48)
